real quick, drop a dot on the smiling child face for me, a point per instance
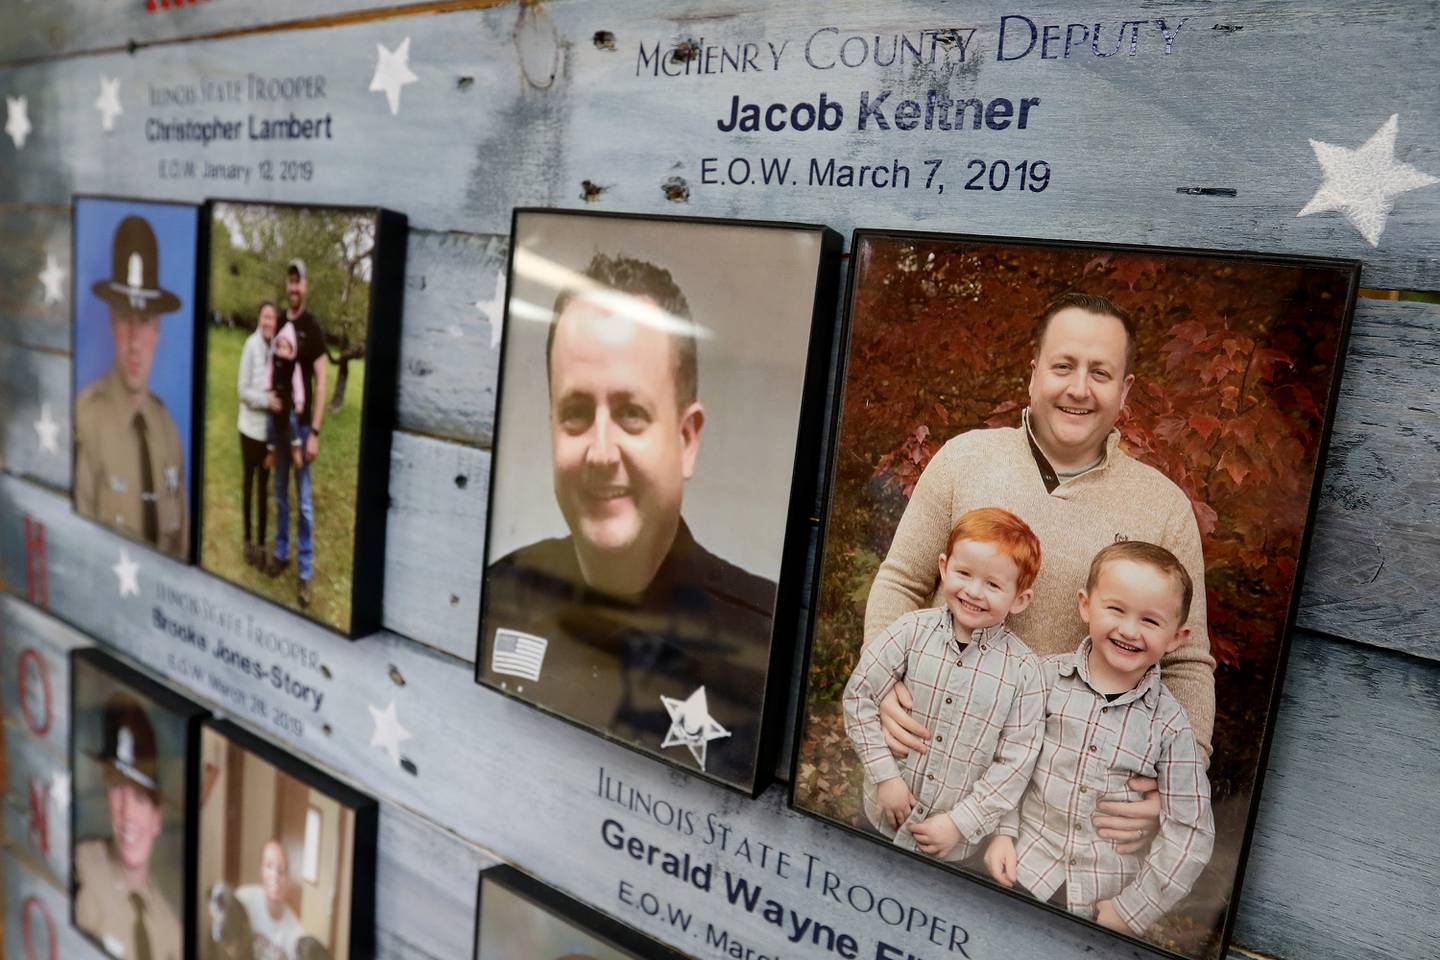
(980, 582)
(1134, 618)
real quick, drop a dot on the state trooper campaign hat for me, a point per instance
(129, 743)
(134, 282)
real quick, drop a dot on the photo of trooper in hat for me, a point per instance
(130, 786)
(134, 335)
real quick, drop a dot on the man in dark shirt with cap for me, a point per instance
(117, 901)
(129, 461)
(629, 625)
(310, 356)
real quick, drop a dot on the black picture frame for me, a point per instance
(189, 717)
(801, 475)
(190, 317)
(564, 909)
(366, 565)
(1346, 270)
(364, 810)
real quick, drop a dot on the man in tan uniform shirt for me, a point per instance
(117, 901)
(129, 461)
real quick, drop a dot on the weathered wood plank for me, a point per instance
(37, 803)
(75, 26)
(1341, 702)
(1350, 793)
(449, 359)
(1376, 553)
(37, 917)
(548, 109)
(33, 383)
(28, 235)
(34, 658)
(434, 542)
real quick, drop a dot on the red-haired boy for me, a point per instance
(976, 686)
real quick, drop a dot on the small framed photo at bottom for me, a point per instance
(520, 918)
(133, 749)
(286, 865)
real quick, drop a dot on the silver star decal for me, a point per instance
(17, 120)
(691, 724)
(127, 572)
(392, 72)
(47, 430)
(1363, 183)
(53, 278)
(108, 102)
(388, 733)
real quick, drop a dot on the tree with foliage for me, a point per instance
(251, 244)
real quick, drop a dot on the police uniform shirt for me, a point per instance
(608, 660)
(105, 911)
(109, 474)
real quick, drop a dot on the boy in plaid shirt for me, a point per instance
(1109, 718)
(976, 686)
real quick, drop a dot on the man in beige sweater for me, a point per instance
(1062, 471)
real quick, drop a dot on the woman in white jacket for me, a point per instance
(253, 386)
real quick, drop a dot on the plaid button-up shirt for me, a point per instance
(983, 702)
(1092, 748)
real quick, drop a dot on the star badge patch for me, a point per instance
(691, 724)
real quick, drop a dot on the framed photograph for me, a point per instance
(136, 282)
(133, 749)
(302, 328)
(520, 918)
(1071, 488)
(286, 865)
(660, 393)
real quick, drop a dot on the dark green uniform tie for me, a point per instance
(149, 511)
(142, 936)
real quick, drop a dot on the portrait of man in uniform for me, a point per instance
(129, 762)
(634, 622)
(134, 336)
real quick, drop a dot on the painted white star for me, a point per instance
(128, 573)
(1363, 183)
(53, 277)
(47, 430)
(392, 71)
(108, 102)
(17, 120)
(388, 732)
(60, 790)
(494, 310)
(691, 724)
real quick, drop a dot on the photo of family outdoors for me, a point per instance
(290, 345)
(1059, 562)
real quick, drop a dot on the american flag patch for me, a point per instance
(518, 654)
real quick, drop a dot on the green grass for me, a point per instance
(333, 478)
